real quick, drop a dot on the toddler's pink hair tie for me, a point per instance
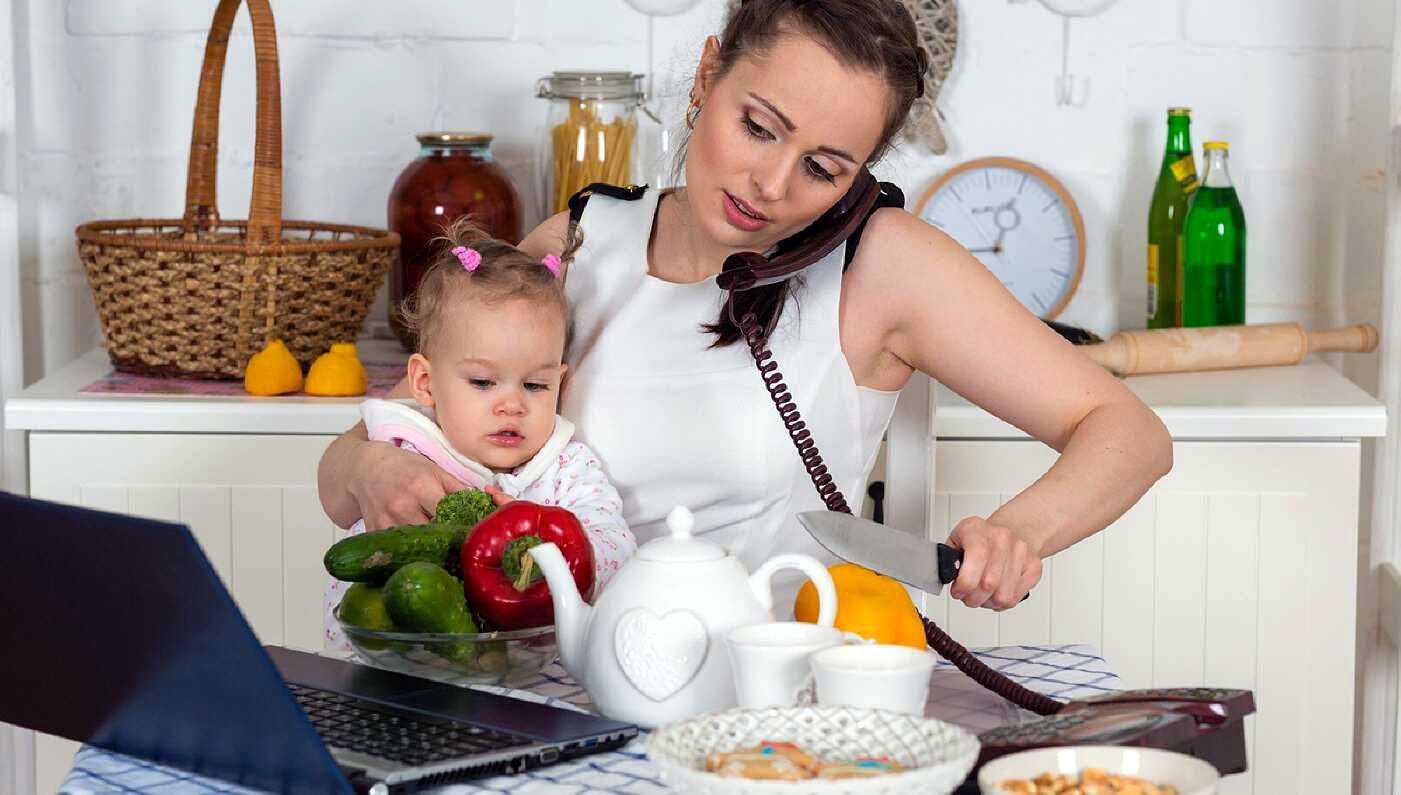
(552, 262)
(469, 257)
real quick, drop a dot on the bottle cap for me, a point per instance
(1179, 111)
(1216, 145)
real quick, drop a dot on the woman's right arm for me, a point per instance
(387, 486)
(378, 481)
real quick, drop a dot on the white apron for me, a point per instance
(676, 423)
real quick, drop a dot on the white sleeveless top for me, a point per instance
(677, 423)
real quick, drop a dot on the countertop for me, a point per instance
(1309, 400)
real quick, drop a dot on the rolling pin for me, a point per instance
(1180, 350)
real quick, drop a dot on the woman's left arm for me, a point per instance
(938, 310)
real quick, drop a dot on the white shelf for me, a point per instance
(1307, 401)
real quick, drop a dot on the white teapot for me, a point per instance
(650, 650)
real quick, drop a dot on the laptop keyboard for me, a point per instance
(407, 738)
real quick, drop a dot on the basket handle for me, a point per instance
(265, 205)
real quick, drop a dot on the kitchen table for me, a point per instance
(1065, 672)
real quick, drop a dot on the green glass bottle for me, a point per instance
(1214, 261)
(1177, 179)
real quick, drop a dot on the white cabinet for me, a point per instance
(1238, 569)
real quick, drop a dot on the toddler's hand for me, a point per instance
(498, 496)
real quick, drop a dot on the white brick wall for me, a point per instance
(105, 92)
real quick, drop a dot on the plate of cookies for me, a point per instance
(823, 749)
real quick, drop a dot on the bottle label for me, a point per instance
(1152, 280)
(1184, 170)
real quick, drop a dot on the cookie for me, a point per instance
(778, 761)
(864, 767)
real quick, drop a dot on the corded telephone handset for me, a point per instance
(1207, 723)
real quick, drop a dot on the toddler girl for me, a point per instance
(493, 325)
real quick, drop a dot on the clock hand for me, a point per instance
(997, 219)
(973, 221)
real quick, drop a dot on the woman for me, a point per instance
(788, 105)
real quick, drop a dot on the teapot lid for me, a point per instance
(680, 546)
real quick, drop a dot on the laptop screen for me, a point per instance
(117, 632)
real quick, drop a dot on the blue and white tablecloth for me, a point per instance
(1064, 672)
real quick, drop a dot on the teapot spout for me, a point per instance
(572, 614)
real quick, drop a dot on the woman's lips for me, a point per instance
(739, 215)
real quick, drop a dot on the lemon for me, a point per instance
(272, 371)
(337, 373)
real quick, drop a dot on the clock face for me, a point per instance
(1019, 223)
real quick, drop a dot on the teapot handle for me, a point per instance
(826, 590)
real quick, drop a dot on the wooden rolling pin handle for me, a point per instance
(1352, 339)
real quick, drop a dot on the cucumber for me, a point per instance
(372, 557)
(423, 597)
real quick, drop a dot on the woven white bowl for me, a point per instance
(937, 755)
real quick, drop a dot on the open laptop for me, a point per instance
(117, 632)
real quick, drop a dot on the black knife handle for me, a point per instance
(950, 561)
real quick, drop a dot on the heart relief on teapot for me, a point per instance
(647, 649)
(660, 654)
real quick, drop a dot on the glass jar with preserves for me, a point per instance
(453, 175)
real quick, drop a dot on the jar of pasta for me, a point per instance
(590, 134)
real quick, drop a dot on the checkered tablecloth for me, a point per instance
(1063, 672)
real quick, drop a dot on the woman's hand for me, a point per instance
(498, 496)
(999, 568)
(397, 487)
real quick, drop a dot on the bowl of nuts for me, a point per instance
(1105, 769)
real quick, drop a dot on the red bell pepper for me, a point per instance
(503, 583)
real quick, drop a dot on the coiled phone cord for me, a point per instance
(947, 647)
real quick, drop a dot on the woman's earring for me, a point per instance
(692, 113)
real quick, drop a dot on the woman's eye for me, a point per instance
(818, 172)
(754, 129)
(480, 383)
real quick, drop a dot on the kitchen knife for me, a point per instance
(894, 553)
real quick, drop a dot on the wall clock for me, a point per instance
(1019, 221)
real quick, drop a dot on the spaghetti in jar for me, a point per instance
(590, 134)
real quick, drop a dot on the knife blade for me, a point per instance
(885, 550)
(894, 553)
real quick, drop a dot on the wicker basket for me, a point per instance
(195, 297)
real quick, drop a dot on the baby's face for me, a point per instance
(494, 380)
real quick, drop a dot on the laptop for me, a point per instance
(118, 633)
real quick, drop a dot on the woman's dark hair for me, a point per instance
(873, 35)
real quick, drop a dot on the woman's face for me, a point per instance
(778, 141)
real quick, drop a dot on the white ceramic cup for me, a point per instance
(770, 660)
(877, 676)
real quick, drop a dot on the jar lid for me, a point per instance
(680, 546)
(591, 85)
(454, 138)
